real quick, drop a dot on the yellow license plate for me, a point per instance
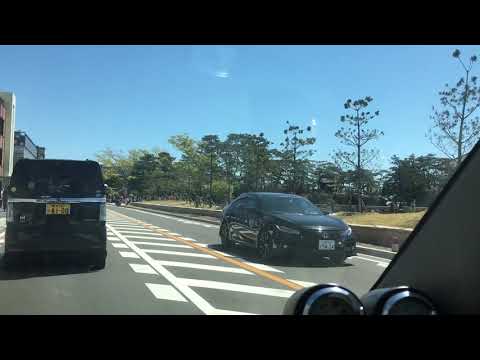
(58, 209)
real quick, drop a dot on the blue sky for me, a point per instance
(78, 100)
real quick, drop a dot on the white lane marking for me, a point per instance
(190, 294)
(112, 238)
(126, 223)
(170, 217)
(371, 257)
(178, 253)
(187, 238)
(174, 234)
(303, 283)
(263, 267)
(119, 245)
(208, 226)
(129, 227)
(259, 290)
(142, 268)
(149, 237)
(160, 244)
(230, 312)
(137, 232)
(158, 228)
(165, 292)
(205, 267)
(225, 254)
(380, 263)
(129, 254)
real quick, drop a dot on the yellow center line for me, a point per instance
(265, 274)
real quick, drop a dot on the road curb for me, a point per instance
(385, 254)
(360, 248)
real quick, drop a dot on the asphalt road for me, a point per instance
(161, 264)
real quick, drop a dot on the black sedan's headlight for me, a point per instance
(348, 232)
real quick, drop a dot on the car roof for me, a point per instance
(57, 160)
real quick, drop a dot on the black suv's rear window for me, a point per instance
(56, 178)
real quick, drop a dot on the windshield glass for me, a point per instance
(58, 179)
(289, 205)
(356, 142)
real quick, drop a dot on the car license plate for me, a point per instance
(58, 209)
(326, 244)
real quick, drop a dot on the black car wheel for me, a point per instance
(338, 259)
(225, 236)
(265, 244)
(97, 261)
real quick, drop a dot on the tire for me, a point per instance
(97, 261)
(338, 259)
(225, 236)
(265, 244)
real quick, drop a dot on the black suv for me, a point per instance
(56, 207)
(276, 223)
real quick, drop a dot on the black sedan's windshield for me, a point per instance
(290, 205)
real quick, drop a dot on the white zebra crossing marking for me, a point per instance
(188, 238)
(165, 292)
(196, 299)
(178, 253)
(161, 244)
(142, 269)
(129, 254)
(204, 267)
(219, 285)
(263, 267)
(129, 227)
(149, 238)
(137, 232)
(119, 245)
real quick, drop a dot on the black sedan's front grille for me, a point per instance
(310, 238)
(322, 235)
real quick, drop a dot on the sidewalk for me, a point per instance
(363, 248)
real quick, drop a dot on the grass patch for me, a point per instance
(404, 220)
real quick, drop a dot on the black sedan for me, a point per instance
(276, 223)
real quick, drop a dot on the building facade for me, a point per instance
(26, 149)
(7, 127)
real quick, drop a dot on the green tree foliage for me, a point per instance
(356, 135)
(294, 154)
(455, 127)
(416, 178)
